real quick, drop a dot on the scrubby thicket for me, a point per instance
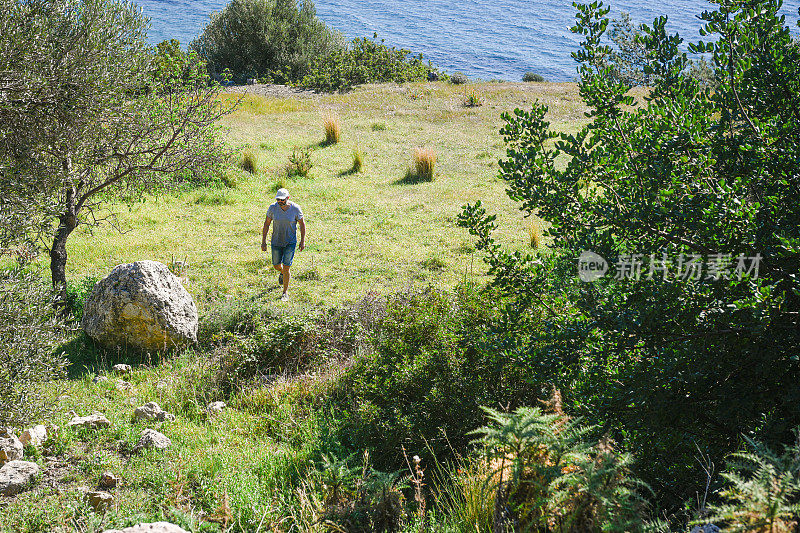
(365, 61)
(281, 41)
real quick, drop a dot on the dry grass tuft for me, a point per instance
(249, 161)
(333, 129)
(424, 163)
(358, 161)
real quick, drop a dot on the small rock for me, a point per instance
(10, 448)
(95, 421)
(154, 527)
(706, 528)
(34, 436)
(109, 480)
(99, 379)
(122, 368)
(99, 500)
(16, 476)
(152, 411)
(123, 385)
(215, 407)
(161, 385)
(152, 439)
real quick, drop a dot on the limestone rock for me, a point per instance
(16, 476)
(95, 421)
(10, 448)
(215, 407)
(706, 528)
(34, 436)
(123, 385)
(99, 379)
(99, 500)
(142, 305)
(122, 368)
(151, 438)
(152, 411)
(109, 480)
(154, 527)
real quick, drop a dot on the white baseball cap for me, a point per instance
(282, 194)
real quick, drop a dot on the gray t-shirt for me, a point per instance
(284, 223)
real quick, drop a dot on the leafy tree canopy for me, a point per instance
(80, 122)
(669, 364)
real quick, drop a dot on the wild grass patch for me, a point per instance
(333, 129)
(248, 161)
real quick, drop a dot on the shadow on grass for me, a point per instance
(86, 356)
(349, 172)
(412, 178)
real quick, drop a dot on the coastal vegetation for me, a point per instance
(404, 387)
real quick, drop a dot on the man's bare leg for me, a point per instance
(286, 275)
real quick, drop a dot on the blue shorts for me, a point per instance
(283, 254)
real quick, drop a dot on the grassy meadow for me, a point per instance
(367, 230)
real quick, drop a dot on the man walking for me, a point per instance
(284, 215)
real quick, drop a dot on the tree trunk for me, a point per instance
(66, 223)
(58, 256)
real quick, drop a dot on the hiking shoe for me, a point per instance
(280, 278)
(284, 296)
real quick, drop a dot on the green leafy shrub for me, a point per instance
(30, 331)
(299, 163)
(457, 78)
(711, 174)
(415, 384)
(532, 77)
(173, 68)
(273, 40)
(365, 61)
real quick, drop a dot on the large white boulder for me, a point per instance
(142, 305)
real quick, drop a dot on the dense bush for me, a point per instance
(457, 78)
(274, 40)
(668, 362)
(29, 334)
(532, 77)
(365, 61)
(428, 369)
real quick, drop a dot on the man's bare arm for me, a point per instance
(302, 222)
(264, 232)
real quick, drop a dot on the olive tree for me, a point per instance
(669, 357)
(84, 119)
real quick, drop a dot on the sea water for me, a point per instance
(486, 39)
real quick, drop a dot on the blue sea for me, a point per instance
(486, 39)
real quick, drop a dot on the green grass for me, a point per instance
(398, 225)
